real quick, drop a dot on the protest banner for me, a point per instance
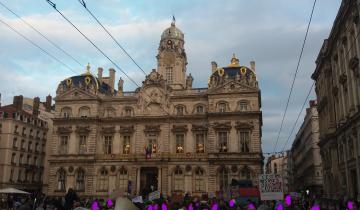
(154, 195)
(271, 187)
(137, 199)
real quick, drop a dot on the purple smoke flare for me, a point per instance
(288, 200)
(109, 203)
(163, 206)
(350, 205)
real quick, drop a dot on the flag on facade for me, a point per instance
(154, 195)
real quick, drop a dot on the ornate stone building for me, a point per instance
(165, 135)
(338, 95)
(305, 154)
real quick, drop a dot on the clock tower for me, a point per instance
(171, 57)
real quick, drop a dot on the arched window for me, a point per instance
(243, 106)
(180, 110)
(199, 180)
(84, 111)
(80, 180)
(103, 180)
(223, 177)
(245, 173)
(178, 179)
(66, 112)
(123, 179)
(222, 107)
(169, 75)
(61, 180)
(199, 109)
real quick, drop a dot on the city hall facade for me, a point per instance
(165, 135)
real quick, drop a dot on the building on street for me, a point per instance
(337, 77)
(166, 135)
(25, 129)
(305, 154)
(280, 164)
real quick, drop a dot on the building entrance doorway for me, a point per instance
(148, 180)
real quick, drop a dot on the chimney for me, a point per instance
(312, 103)
(112, 78)
(18, 102)
(36, 104)
(100, 73)
(48, 103)
(213, 66)
(252, 65)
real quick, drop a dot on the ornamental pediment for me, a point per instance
(199, 127)
(82, 129)
(127, 129)
(154, 78)
(108, 130)
(152, 128)
(65, 129)
(179, 129)
(222, 126)
(75, 94)
(233, 86)
(244, 125)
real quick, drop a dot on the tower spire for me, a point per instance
(173, 21)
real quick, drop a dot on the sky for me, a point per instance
(267, 31)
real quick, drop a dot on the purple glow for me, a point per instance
(190, 207)
(163, 206)
(156, 207)
(251, 206)
(350, 205)
(232, 203)
(197, 204)
(288, 200)
(214, 207)
(94, 206)
(150, 207)
(280, 207)
(315, 207)
(109, 203)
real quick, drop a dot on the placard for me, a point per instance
(271, 187)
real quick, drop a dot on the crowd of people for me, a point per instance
(71, 201)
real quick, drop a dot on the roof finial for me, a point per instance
(234, 61)
(88, 68)
(173, 21)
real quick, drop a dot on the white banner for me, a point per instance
(271, 187)
(154, 195)
(138, 199)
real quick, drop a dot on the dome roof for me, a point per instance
(172, 33)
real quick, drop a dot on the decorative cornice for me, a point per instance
(127, 129)
(152, 129)
(199, 127)
(179, 128)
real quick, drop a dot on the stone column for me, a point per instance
(73, 142)
(160, 178)
(138, 180)
(117, 143)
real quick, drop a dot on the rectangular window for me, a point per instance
(37, 147)
(351, 148)
(35, 161)
(180, 143)
(243, 106)
(152, 143)
(200, 142)
(223, 136)
(22, 146)
(63, 145)
(13, 156)
(21, 159)
(126, 146)
(29, 146)
(245, 141)
(11, 175)
(108, 144)
(169, 75)
(15, 143)
(82, 144)
(222, 107)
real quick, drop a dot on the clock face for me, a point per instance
(169, 42)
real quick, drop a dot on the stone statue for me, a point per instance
(189, 81)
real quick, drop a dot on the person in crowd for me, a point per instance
(70, 198)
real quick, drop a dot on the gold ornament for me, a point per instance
(87, 80)
(221, 72)
(243, 70)
(68, 82)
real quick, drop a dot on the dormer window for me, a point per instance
(199, 109)
(222, 107)
(243, 106)
(179, 110)
(128, 111)
(65, 112)
(84, 112)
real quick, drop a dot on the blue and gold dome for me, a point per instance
(234, 70)
(87, 80)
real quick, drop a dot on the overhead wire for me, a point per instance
(36, 45)
(295, 75)
(41, 34)
(82, 2)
